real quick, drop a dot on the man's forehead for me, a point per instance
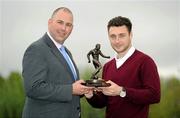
(63, 16)
(118, 29)
(63, 13)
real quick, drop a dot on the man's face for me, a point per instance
(120, 39)
(60, 26)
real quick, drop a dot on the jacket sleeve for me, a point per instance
(35, 74)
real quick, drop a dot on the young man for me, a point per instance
(133, 76)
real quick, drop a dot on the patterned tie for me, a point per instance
(69, 61)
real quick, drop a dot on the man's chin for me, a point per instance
(119, 49)
(60, 40)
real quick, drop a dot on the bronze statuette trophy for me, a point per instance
(95, 81)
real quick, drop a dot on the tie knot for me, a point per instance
(62, 48)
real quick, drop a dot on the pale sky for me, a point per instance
(156, 29)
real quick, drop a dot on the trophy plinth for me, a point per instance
(96, 83)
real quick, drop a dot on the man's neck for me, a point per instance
(121, 55)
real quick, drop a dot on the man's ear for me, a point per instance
(131, 35)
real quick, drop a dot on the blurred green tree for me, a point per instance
(12, 96)
(169, 107)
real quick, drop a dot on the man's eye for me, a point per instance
(60, 22)
(122, 35)
(113, 36)
(69, 24)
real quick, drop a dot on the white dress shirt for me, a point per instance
(58, 45)
(120, 61)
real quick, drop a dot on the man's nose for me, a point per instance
(63, 27)
(117, 39)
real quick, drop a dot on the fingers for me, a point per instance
(109, 81)
(87, 91)
(89, 94)
(80, 81)
(99, 89)
(80, 89)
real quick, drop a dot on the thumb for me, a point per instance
(109, 81)
(80, 81)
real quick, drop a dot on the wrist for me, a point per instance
(122, 92)
(89, 96)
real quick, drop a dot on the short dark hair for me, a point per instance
(61, 8)
(120, 21)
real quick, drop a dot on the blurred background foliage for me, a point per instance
(12, 98)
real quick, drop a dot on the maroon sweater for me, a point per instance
(139, 76)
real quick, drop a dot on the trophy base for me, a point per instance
(96, 83)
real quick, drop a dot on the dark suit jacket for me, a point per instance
(48, 82)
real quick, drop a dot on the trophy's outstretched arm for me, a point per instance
(104, 55)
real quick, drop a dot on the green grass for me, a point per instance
(86, 110)
(12, 99)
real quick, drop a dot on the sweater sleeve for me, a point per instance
(149, 93)
(98, 100)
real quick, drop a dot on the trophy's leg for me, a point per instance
(94, 75)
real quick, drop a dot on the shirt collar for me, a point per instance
(120, 61)
(58, 45)
(128, 54)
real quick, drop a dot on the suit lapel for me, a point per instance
(57, 54)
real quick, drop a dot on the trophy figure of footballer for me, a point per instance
(95, 81)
